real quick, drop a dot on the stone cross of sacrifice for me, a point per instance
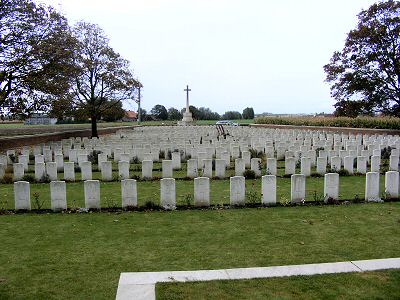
(187, 90)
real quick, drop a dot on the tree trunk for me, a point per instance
(94, 127)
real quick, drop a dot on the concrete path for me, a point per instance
(141, 285)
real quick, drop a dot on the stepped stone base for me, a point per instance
(186, 120)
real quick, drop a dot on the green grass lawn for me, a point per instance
(369, 285)
(80, 256)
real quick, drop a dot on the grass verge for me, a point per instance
(369, 285)
(80, 256)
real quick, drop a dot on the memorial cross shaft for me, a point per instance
(187, 90)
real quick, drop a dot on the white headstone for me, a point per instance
(73, 156)
(92, 194)
(246, 155)
(255, 165)
(392, 185)
(124, 157)
(58, 195)
(59, 159)
(167, 171)
(272, 166)
(336, 163)
(192, 170)
(305, 166)
(394, 163)
(101, 157)
(227, 157)
(207, 168)
(18, 171)
(235, 152)
(290, 166)
(361, 164)
(237, 191)
(239, 167)
(86, 170)
(129, 193)
(39, 158)
(220, 168)
(372, 187)
(51, 170)
(268, 187)
(202, 192)
(123, 169)
(147, 169)
(22, 195)
(37, 150)
(24, 159)
(321, 165)
(298, 188)
(200, 157)
(106, 170)
(349, 164)
(117, 154)
(48, 155)
(168, 194)
(40, 171)
(375, 163)
(331, 186)
(82, 158)
(176, 160)
(69, 171)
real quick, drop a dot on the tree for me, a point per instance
(159, 112)
(174, 114)
(367, 70)
(115, 112)
(353, 109)
(143, 114)
(103, 73)
(207, 114)
(248, 113)
(36, 56)
(62, 108)
(194, 111)
(232, 115)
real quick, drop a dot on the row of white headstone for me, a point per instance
(204, 166)
(232, 152)
(129, 196)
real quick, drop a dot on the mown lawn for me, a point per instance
(369, 285)
(80, 256)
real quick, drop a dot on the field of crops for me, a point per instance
(360, 122)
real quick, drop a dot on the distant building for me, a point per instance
(130, 116)
(40, 119)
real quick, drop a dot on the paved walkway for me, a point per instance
(141, 285)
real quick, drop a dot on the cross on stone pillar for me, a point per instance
(187, 90)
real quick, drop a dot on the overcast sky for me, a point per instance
(233, 54)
